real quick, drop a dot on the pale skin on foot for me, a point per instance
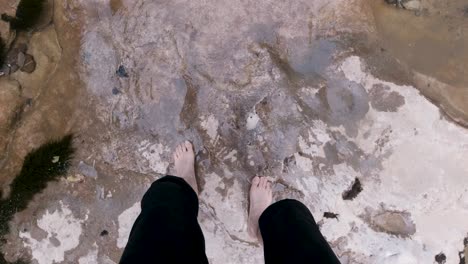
(260, 191)
(260, 198)
(184, 159)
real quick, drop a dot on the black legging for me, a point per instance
(167, 230)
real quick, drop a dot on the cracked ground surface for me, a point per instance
(309, 93)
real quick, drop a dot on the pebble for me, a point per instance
(13, 68)
(86, 170)
(122, 72)
(29, 64)
(21, 59)
(115, 91)
(413, 5)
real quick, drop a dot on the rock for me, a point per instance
(394, 2)
(29, 64)
(21, 59)
(440, 258)
(394, 223)
(86, 170)
(413, 5)
(13, 68)
(115, 91)
(44, 52)
(122, 72)
(75, 179)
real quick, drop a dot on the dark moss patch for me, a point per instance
(2, 52)
(41, 166)
(27, 15)
(353, 192)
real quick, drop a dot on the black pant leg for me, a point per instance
(167, 229)
(290, 235)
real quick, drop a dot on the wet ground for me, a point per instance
(337, 101)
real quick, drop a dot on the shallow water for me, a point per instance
(433, 42)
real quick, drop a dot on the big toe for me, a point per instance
(255, 181)
(188, 146)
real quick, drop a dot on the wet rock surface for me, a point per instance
(392, 222)
(294, 91)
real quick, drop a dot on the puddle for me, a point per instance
(432, 42)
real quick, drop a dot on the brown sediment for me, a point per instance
(115, 5)
(431, 46)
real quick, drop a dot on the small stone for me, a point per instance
(104, 233)
(413, 5)
(115, 91)
(21, 59)
(87, 170)
(75, 179)
(13, 68)
(122, 72)
(440, 258)
(29, 64)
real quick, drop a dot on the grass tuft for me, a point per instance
(27, 15)
(2, 52)
(41, 166)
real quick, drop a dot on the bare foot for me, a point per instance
(184, 159)
(260, 198)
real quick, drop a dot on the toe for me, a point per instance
(188, 145)
(268, 186)
(255, 181)
(263, 182)
(181, 149)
